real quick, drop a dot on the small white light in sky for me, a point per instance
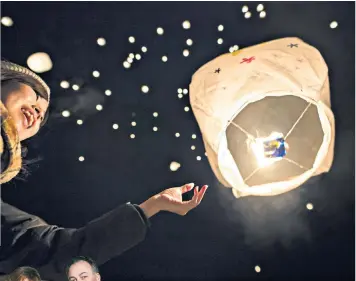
(177, 135)
(130, 60)
(160, 31)
(185, 91)
(138, 56)
(186, 53)
(81, 159)
(65, 113)
(310, 206)
(192, 147)
(194, 136)
(133, 124)
(180, 91)
(132, 136)
(108, 92)
(186, 24)
(257, 269)
(260, 8)
(180, 96)
(145, 89)
(220, 27)
(96, 73)
(262, 14)
(144, 49)
(7, 21)
(132, 39)
(65, 84)
(80, 122)
(198, 158)
(39, 62)
(248, 15)
(186, 109)
(220, 41)
(131, 55)
(206, 154)
(164, 58)
(115, 126)
(231, 49)
(101, 41)
(127, 64)
(244, 9)
(174, 166)
(189, 42)
(75, 87)
(333, 24)
(99, 107)
(155, 114)
(155, 129)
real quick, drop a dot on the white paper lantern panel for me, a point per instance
(264, 114)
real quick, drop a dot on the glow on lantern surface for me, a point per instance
(174, 166)
(39, 62)
(7, 21)
(186, 24)
(101, 41)
(65, 84)
(145, 89)
(160, 31)
(75, 87)
(65, 113)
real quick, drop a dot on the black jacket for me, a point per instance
(26, 240)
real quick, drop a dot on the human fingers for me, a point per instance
(187, 187)
(201, 193)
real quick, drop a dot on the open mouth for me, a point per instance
(29, 118)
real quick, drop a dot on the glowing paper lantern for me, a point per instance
(39, 62)
(265, 118)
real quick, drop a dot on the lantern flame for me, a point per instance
(270, 149)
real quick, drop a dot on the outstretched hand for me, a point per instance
(171, 200)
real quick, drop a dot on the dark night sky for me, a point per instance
(224, 238)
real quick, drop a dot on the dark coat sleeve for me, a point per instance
(28, 240)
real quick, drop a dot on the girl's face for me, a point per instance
(25, 107)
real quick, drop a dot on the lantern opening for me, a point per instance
(267, 147)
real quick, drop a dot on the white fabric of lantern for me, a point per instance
(264, 114)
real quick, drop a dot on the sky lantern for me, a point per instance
(264, 114)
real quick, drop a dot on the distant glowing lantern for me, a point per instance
(174, 166)
(265, 118)
(39, 62)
